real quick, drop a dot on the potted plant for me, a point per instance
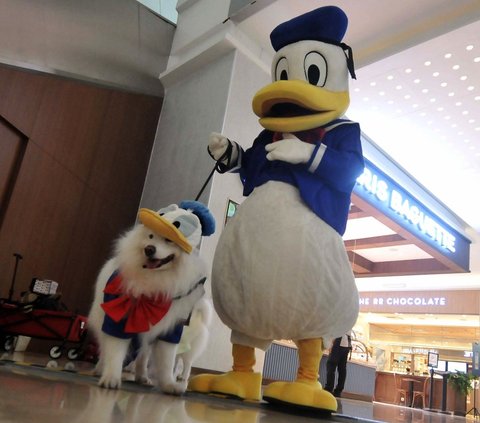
(461, 384)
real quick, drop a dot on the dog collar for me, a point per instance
(163, 227)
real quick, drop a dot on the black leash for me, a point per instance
(219, 166)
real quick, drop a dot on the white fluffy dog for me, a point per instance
(146, 293)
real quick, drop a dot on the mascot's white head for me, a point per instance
(309, 72)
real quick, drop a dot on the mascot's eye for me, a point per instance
(315, 67)
(150, 236)
(281, 70)
(176, 223)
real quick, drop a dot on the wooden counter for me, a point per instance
(385, 390)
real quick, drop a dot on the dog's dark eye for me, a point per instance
(150, 236)
(176, 224)
(161, 214)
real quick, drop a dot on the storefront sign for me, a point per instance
(396, 203)
(443, 302)
(404, 301)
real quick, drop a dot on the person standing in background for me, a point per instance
(337, 360)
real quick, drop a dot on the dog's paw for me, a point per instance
(110, 382)
(174, 388)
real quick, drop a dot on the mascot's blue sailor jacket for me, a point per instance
(325, 183)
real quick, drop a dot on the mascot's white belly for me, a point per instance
(280, 272)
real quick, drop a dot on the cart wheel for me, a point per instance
(9, 343)
(73, 353)
(55, 352)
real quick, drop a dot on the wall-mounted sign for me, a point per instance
(395, 202)
(441, 302)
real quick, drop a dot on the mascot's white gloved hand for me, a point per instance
(217, 145)
(290, 149)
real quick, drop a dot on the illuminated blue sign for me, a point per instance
(390, 198)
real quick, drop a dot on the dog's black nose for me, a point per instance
(150, 251)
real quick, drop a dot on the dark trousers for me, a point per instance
(337, 360)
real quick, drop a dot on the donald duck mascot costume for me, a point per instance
(280, 269)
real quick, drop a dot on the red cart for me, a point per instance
(41, 316)
(62, 326)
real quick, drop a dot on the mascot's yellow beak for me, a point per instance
(161, 226)
(295, 105)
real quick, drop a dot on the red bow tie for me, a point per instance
(141, 312)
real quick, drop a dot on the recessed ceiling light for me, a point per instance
(416, 81)
(408, 70)
(446, 117)
(398, 87)
(407, 97)
(365, 98)
(466, 141)
(382, 93)
(423, 114)
(433, 100)
(356, 90)
(471, 120)
(372, 84)
(451, 94)
(415, 105)
(469, 47)
(477, 97)
(427, 63)
(435, 74)
(390, 102)
(477, 128)
(471, 88)
(477, 59)
(448, 55)
(456, 67)
(390, 77)
(440, 109)
(465, 112)
(443, 84)
(458, 103)
(463, 77)
(425, 91)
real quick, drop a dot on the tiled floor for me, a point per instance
(66, 392)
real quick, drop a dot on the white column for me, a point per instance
(212, 74)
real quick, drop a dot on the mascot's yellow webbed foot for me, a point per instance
(242, 382)
(300, 393)
(246, 386)
(306, 391)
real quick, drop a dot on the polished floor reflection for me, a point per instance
(36, 389)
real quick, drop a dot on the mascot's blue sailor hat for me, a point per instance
(327, 24)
